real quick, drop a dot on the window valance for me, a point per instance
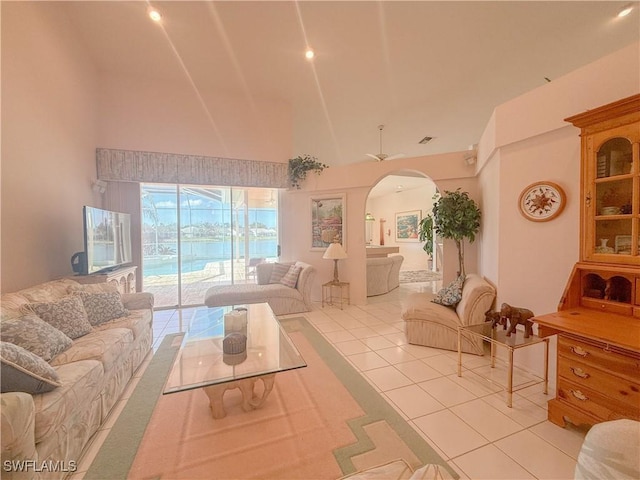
(153, 167)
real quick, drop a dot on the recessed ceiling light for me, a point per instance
(309, 54)
(626, 10)
(155, 15)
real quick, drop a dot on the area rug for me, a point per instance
(320, 422)
(414, 276)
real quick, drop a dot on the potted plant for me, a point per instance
(455, 216)
(300, 165)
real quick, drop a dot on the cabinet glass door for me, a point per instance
(613, 209)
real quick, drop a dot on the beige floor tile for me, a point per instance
(568, 439)
(447, 392)
(368, 361)
(450, 433)
(377, 343)
(351, 347)
(395, 355)
(413, 401)
(486, 420)
(419, 351)
(363, 332)
(523, 411)
(331, 326)
(417, 371)
(339, 336)
(490, 463)
(387, 378)
(442, 363)
(537, 456)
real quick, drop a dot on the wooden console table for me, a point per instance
(123, 278)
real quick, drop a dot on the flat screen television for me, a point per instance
(107, 240)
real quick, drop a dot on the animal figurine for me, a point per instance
(495, 318)
(517, 316)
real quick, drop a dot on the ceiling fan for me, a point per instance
(383, 156)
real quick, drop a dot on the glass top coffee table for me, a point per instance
(201, 361)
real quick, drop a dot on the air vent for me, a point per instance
(425, 140)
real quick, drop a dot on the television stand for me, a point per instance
(124, 278)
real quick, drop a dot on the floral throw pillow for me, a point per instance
(35, 335)
(450, 295)
(23, 371)
(102, 307)
(291, 277)
(67, 314)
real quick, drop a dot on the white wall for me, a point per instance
(48, 143)
(161, 116)
(527, 141)
(448, 171)
(387, 206)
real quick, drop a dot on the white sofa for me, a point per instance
(383, 274)
(282, 299)
(433, 325)
(54, 428)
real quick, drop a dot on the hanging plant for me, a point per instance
(300, 165)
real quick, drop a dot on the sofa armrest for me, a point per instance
(305, 282)
(138, 301)
(17, 421)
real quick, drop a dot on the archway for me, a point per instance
(394, 207)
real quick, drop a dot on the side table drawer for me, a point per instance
(584, 375)
(622, 363)
(594, 402)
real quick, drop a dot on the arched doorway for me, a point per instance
(394, 207)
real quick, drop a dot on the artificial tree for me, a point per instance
(455, 216)
(300, 165)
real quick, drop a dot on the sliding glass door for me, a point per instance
(195, 237)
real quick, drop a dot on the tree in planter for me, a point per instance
(455, 216)
(300, 165)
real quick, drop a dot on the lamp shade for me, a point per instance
(334, 252)
(369, 218)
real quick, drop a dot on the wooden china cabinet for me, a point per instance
(598, 318)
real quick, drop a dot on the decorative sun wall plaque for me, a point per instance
(542, 201)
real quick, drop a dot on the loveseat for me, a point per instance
(286, 287)
(50, 415)
(435, 325)
(383, 274)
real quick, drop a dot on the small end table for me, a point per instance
(498, 338)
(342, 294)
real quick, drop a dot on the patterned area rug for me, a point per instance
(414, 276)
(320, 422)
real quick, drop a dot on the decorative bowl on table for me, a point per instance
(610, 211)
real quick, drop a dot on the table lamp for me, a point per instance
(335, 252)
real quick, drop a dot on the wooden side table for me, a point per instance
(342, 293)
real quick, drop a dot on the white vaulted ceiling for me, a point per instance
(421, 68)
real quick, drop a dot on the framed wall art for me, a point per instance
(407, 226)
(328, 221)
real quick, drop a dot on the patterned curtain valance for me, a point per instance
(153, 167)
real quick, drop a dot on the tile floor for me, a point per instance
(465, 419)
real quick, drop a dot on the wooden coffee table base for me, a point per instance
(250, 400)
